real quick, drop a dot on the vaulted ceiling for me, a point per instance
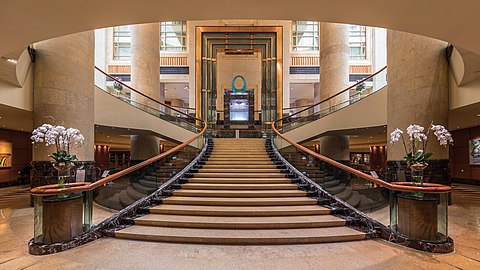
(23, 22)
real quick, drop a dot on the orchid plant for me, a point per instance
(63, 139)
(415, 148)
(416, 145)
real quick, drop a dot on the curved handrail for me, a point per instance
(54, 189)
(337, 94)
(144, 95)
(396, 186)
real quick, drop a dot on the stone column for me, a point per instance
(417, 94)
(145, 78)
(335, 147)
(301, 102)
(334, 61)
(316, 93)
(177, 102)
(334, 77)
(64, 95)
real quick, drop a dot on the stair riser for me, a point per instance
(214, 203)
(239, 167)
(238, 170)
(242, 241)
(226, 181)
(238, 175)
(240, 213)
(253, 225)
(238, 195)
(239, 188)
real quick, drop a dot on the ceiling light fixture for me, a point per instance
(10, 60)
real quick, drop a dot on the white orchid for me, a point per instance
(61, 137)
(395, 135)
(415, 151)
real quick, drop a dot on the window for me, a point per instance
(305, 36)
(173, 36)
(122, 42)
(357, 42)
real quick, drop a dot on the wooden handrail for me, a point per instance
(395, 186)
(54, 189)
(144, 95)
(339, 93)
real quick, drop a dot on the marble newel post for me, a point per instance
(417, 94)
(145, 78)
(334, 77)
(64, 95)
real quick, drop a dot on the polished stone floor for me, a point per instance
(16, 228)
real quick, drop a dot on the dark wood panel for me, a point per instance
(21, 153)
(462, 171)
(475, 172)
(461, 155)
(461, 137)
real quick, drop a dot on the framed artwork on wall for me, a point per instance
(5, 155)
(474, 152)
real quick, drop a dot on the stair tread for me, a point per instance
(247, 236)
(244, 220)
(240, 180)
(217, 186)
(245, 209)
(240, 193)
(284, 200)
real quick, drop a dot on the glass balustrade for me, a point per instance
(298, 116)
(181, 117)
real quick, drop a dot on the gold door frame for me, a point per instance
(237, 29)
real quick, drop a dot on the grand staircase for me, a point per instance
(239, 196)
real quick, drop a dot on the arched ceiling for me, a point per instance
(24, 21)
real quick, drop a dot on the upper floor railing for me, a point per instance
(295, 117)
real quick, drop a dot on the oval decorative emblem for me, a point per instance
(244, 87)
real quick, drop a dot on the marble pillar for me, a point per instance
(301, 102)
(64, 95)
(334, 61)
(177, 102)
(417, 94)
(145, 78)
(64, 89)
(335, 147)
(334, 77)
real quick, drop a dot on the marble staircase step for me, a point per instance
(240, 237)
(239, 193)
(216, 186)
(240, 211)
(209, 222)
(218, 201)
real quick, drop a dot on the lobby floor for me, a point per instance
(16, 228)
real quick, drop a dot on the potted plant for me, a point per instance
(415, 147)
(63, 139)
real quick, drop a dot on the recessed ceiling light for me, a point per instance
(478, 115)
(371, 137)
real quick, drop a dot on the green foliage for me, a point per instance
(63, 157)
(418, 157)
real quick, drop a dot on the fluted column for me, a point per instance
(334, 77)
(417, 92)
(145, 78)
